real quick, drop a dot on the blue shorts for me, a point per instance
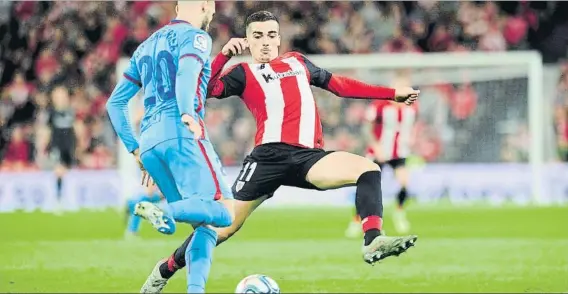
(184, 168)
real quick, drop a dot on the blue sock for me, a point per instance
(198, 257)
(133, 224)
(198, 211)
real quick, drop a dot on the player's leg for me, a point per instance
(245, 191)
(340, 169)
(64, 149)
(163, 178)
(199, 183)
(354, 170)
(255, 183)
(401, 175)
(259, 177)
(197, 206)
(199, 253)
(166, 268)
(132, 220)
(60, 171)
(354, 227)
(401, 223)
(177, 165)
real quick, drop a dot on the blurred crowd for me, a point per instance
(58, 62)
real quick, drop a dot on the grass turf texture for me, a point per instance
(459, 250)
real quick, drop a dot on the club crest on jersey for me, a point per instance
(200, 43)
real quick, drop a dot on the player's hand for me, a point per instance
(193, 126)
(407, 95)
(235, 46)
(147, 179)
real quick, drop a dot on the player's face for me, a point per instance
(208, 11)
(263, 39)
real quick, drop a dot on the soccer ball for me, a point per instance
(257, 284)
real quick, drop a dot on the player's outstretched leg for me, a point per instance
(132, 220)
(401, 223)
(193, 211)
(199, 255)
(340, 169)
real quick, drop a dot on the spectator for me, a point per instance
(62, 121)
(17, 156)
(51, 50)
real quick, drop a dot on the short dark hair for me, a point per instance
(260, 16)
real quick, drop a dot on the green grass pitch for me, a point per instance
(466, 249)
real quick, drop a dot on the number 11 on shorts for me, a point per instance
(245, 175)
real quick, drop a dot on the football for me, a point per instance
(257, 284)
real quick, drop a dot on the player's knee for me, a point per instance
(230, 210)
(232, 217)
(234, 230)
(226, 233)
(223, 235)
(368, 166)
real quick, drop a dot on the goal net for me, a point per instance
(482, 120)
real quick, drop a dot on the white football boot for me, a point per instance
(383, 246)
(157, 217)
(154, 283)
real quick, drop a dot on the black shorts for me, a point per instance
(272, 165)
(393, 163)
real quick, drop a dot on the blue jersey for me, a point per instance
(173, 68)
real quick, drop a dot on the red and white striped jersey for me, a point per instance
(393, 128)
(279, 96)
